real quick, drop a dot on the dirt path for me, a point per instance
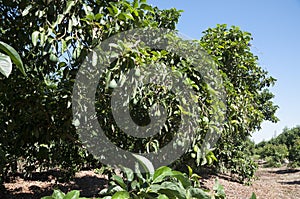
(282, 183)
(279, 183)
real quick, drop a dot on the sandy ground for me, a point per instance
(281, 183)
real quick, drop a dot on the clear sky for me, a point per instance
(275, 28)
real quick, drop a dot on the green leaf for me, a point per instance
(5, 65)
(107, 197)
(40, 13)
(135, 4)
(53, 57)
(70, 4)
(164, 172)
(195, 176)
(59, 19)
(120, 181)
(121, 195)
(185, 182)
(113, 10)
(14, 56)
(34, 37)
(135, 184)
(126, 16)
(57, 194)
(72, 195)
(198, 193)
(76, 53)
(113, 83)
(47, 197)
(98, 16)
(145, 163)
(116, 10)
(146, 7)
(87, 9)
(171, 189)
(91, 16)
(26, 10)
(190, 171)
(162, 196)
(161, 173)
(63, 45)
(253, 196)
(129, 173)
(42, 38)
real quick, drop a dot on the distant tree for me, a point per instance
(248, 98)
(275, 147)
(294, 153)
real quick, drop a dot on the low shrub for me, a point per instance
(57, 194)
(273, 154)
(163, 183)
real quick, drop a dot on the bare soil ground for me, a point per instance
(281, 183)
(271, 183)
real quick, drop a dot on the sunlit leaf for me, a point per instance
(5, 65)
(70, 4)
(14, 56)
(26, 10)
(34, 37)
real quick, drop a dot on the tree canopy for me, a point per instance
(54, 37)
(284, 146)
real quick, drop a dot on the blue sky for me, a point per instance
(275, 28)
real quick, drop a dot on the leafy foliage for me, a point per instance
(57, 194)
(163, 183)
(274, 154)
(35, 111)
(284, 146)
(248, 99)
(35, 117)
(294, 153)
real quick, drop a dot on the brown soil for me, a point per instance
(43, 183)
(271, 183)
(282, 183)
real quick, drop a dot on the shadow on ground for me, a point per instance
(285, 171)
(88, 185)
(296, 182)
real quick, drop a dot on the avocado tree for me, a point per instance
(54, 37)
(285, 145)
(248, 98)
(8, 56)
